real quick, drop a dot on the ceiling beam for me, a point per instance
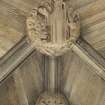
(91, 57)
(81, 48)
(12, 60)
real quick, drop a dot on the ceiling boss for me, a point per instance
(53, 26)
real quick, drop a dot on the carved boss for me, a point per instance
(53, 26)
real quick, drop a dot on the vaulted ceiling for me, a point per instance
(13, 15)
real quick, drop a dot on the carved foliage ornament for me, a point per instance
(52, 27)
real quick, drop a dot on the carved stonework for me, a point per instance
(51, 99)
(53, 27)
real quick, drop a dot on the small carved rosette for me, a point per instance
(52, 27)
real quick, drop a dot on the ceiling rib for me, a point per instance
(82, 49)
